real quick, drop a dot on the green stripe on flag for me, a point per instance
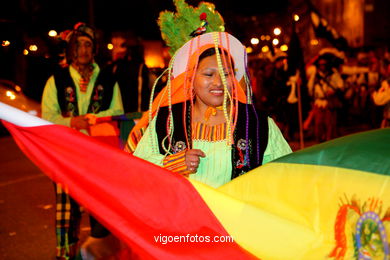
(368, 151)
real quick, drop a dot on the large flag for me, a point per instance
(338, 190)
(159, 214)
(327, 201)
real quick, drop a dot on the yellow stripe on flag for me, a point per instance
(289, 211)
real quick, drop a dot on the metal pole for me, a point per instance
(301, 141)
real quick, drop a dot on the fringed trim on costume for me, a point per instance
(133, 140)
(209, 133)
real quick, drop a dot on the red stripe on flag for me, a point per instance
(136, 200)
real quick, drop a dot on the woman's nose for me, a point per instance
(217, 81)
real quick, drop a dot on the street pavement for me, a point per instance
(26, 207)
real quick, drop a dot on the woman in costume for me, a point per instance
(203, 124)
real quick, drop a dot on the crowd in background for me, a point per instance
(337, 89)
(354, 76)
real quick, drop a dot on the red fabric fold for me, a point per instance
(136, 200)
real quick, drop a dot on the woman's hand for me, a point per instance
(193, 159)
(79, 122)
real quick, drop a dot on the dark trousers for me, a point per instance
(325, 124)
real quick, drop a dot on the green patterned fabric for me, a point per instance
(363, 147)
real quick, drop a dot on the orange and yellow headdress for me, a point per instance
(183, 65)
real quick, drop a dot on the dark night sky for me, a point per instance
(28, 21)
(22, 21)
(38, 16)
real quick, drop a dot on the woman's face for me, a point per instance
(208, 84)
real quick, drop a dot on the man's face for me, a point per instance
(84, 50)
(322, 65)
(119, 49)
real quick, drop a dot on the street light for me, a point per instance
(296, 17)
(5, 43)
(284, 47)
(255, 41)
(10, 94)
(33, 47)
(277, 31)
(52, 33)
(314, 42)
(275, 41)
(265, 48)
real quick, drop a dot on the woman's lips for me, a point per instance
(217, 92)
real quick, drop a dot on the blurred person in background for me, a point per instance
(385, 65)
(324, 86)
(261, 75)
(72, 93)
(283, 96)
(382, 98)
(361, 80)
(128, 66)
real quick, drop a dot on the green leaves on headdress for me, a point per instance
(176, 28)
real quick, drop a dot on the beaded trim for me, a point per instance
(224, 83)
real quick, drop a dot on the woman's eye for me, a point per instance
(227, 74)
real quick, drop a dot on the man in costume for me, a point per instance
(69, 95)
(325, 85)
(203, 124)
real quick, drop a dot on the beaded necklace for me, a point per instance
(85, 76)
